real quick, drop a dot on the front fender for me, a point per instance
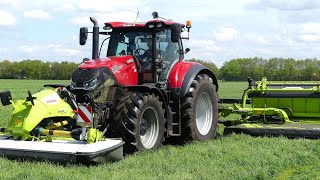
(149, 87)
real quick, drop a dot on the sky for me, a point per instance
(221, 30)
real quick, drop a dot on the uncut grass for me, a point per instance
(229, 157)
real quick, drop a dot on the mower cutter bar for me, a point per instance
(63, 151)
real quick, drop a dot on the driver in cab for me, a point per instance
(147, 53)
(146, 57)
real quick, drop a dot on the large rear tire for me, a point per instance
(143, 122)
(199, 110)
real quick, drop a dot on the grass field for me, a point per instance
(229, 157)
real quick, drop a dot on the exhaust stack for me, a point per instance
(95, 38)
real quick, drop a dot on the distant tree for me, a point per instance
(231, 70)
(208, 64)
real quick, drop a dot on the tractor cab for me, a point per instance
(153, 49)
(155, 45)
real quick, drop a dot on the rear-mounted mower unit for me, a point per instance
(276, 109)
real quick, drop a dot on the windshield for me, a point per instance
(139, 44)
(129, 43)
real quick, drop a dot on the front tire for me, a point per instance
(199, 110)
(143, 122)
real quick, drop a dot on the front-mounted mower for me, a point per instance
(276, 109)
(140, 90)
(50, 125)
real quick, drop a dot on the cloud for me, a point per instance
(285, 5)
(26, 49)
(67, 52)
(262, 40)
(204, 49)
(103, 11)
(3, 50)
(62, 50)
(311, 27)
(7, 19)
(225, 34)
(205, 45)
(255, 38)
(66, 7)
(126, 16)
(291, 43)
(109, 6)
(52, 49)
(8, 3)
(308, 32)
(309, 38)
(37, 14)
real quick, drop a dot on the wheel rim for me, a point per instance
(204, 113)
(149, 127)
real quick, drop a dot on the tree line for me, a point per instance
(36, 69)
(275, 69)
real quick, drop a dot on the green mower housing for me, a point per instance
(276, 109)
(45, 126)
(27, 115)
(300, 101)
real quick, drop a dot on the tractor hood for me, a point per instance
(91, 74)
(108, 62)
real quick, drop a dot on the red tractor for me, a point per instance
(141, 89)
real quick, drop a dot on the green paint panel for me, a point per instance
(285, 102)
(300, 107)
(26, 117)
(298, 100)
(312, 105)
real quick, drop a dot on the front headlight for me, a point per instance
(73, 84)
(91, 84)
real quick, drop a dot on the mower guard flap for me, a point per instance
(63, 151)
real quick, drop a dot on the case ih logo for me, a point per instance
(128, 25)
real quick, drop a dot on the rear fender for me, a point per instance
(183, 74)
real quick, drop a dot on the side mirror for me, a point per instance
(175, 32)
(83, 35)
(187, 50)
(5, 98)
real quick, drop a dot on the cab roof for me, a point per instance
(121, 25)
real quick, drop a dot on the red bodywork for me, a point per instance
(178, 73)
(125, 71)
(123, 68)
